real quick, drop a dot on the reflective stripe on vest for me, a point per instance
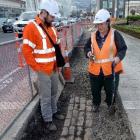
(38, 51)
(42, 34)
(50, 50)
(104, 56)
(45, 60)
(28, 42)
(100, 61)
(45, 49)
(111, 59)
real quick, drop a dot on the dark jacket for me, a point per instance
(119, 42)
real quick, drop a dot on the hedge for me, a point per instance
(133, 18)
(129, 29)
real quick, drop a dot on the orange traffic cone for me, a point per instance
(67, 69)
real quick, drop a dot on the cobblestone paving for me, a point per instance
(78, 121)
(81, 122)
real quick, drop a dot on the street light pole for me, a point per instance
(128, 14)
(90, 6)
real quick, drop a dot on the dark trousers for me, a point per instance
(97, 82)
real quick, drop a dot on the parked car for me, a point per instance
(23, 20)
(8, 25)
(72, 20)
(64, 23)
(2, 20)
(56, 23)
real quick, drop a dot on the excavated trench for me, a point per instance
(105, 126)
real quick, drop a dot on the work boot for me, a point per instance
(59, 116)
(96, 108)
(50, 126)
(111, 109)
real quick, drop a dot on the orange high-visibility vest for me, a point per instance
(37, 48)
(104, 56)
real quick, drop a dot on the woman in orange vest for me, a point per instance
(40, 55)
(105, 47)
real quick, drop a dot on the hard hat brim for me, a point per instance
(98, 22)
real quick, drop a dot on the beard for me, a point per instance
(48, 23)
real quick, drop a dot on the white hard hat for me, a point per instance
(51, 6)
(101, 16)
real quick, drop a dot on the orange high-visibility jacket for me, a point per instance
(37, 48)
(104, 56)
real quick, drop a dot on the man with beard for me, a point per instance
(39, 54)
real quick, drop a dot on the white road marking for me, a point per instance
(5, 83)
(7, 75)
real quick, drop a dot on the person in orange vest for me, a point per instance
(105, 47)
(40, 55)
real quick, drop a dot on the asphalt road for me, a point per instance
(6, 37)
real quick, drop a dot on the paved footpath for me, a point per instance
(79, 123)
(130, 83)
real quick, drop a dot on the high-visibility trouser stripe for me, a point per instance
(28, 42)
(50, 50)
(45, 60)
(104, 60)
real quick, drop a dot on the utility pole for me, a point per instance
(90, 6)
(113, 8)
(116, 9)
(128, 14)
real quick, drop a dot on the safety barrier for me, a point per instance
(15, 88)
(69, 36)
(17, 80)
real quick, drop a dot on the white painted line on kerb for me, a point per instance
(7, 75)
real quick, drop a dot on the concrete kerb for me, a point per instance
(15, 131)
(18, 126)
(121, 106)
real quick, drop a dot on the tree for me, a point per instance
(133, 12)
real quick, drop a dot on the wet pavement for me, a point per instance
(130, 83)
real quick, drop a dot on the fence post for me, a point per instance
(30, 81)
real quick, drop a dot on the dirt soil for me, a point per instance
(105, 127)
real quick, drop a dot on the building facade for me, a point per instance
(11, 8)
(132, 5)
(115, 7)
(32, 5)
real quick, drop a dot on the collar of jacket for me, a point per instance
(38, 20)
(98, 36)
